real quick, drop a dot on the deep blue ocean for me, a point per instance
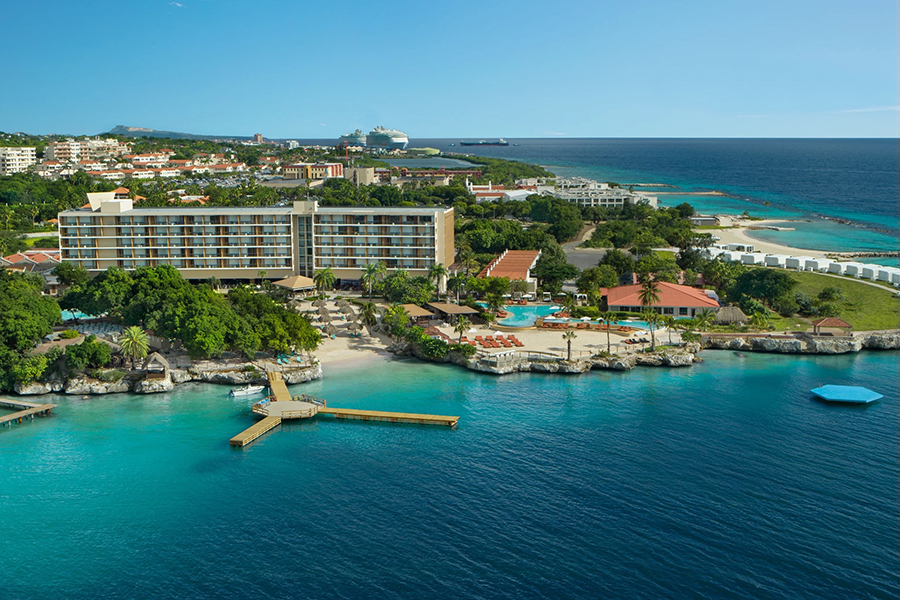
(853, 180)
(724, 480)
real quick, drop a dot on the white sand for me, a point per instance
(739, 235)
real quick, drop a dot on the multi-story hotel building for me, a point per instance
(16, 159)
(235, 243)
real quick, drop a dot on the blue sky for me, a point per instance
(529, 68)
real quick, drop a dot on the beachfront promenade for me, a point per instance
(282, 406)
(27, 410)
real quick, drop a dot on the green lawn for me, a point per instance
(865, 308)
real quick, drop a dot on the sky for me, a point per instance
(528, 68)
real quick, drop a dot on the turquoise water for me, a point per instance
(884, 261)
(828, 234)
(724, 480)
(525, 316)
(68, 315)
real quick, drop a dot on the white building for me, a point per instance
(587, 192)
(16, 159)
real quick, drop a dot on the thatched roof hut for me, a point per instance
(731, 315)
(155, 363)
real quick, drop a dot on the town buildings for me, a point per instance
(72, 150)
(16, 159)
(235, 243)
(313, 170)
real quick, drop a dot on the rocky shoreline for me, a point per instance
(804, 343)
(83, 385)
(519, 364)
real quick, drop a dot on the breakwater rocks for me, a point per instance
(523, 362)
(805, 344)
(82, 385)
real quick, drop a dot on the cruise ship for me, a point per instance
(388, 139)
(357, 138)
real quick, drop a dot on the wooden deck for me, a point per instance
(279, 387)
(29, 409)
(258, 429)
(390, 417)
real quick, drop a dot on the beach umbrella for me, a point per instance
(330, 329)
(585, 318)
(354, 326)
(320, 303)
(346, 310)
(323, 312)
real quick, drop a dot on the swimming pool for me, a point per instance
(68, 315)
(526, 315)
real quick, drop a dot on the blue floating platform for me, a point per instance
(846, 393)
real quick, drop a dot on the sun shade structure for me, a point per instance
(731, 315)
(298, 283)
(452, 309)
(846, 393)
(835, 322)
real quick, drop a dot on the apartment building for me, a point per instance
(313, 170)
(72, 150)
(587, 192)
(16, 159)
(235, 243)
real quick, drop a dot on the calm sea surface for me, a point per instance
(853, 180)
(725, 480)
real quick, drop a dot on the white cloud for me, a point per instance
(870, 109)
(176, 4)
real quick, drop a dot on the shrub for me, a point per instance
(68, 334)
(465, 349)
(831, 294)
(786, 306)
(433, 348)
(249, 369)
(586, 311)
(108, 376)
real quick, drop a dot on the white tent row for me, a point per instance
(809, 263)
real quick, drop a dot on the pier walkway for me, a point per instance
(28, 409)
(282, 406)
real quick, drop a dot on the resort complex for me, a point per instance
(235, 243)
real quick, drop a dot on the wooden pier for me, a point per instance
(389, 417)
(281, 406)
(258, 429)
(28, 409)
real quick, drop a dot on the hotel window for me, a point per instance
(682, 311)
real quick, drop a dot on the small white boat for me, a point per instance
(247, 390)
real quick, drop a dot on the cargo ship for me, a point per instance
(387, 139)
(500, 142)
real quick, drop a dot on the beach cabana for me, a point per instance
(753, 258)
(796, 262)
(731, 315)
(156, 366)
(775, 260)
(298, 285)
(452, 311)
(854, 269)
(417, 314)
(837, 268)
(833, 323)
(869, 272)
(819, 264)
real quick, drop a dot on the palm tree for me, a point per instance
(262, 274)
(653, 319)
(569, 336)
(568, 304)
(394, 317)
(462, 325)
(609, 317)
(494, 301)
(369, 313)
(669, 321)
(704, 319)
(760, 320)
(649, 294)
(437, 271)
(456, 284)
(324, 279)
(134, 344)
(370, 273)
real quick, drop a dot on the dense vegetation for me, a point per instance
(26, 316)
(205, 322)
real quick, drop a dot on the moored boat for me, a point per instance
(247, 390)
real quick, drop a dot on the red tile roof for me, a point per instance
(670, 294)
(831, 322)
(513, 264)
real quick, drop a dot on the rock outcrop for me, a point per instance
(37, 388)
(805, 343)
(82, 386)
(154, 386)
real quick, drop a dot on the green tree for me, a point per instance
(569, 336)
(462, 325)
(369, 313)
(653, 319)
(437, 272)
(371, 272)
(324, 279)
(759, 320)
(649, 294)
(134, 344)
(70, 273)
(669, 321)
(704, 319)
(608, 317)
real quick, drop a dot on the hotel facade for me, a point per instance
(236, 243)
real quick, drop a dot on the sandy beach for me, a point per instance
(739, 234)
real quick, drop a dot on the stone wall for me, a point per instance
(805, 344)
